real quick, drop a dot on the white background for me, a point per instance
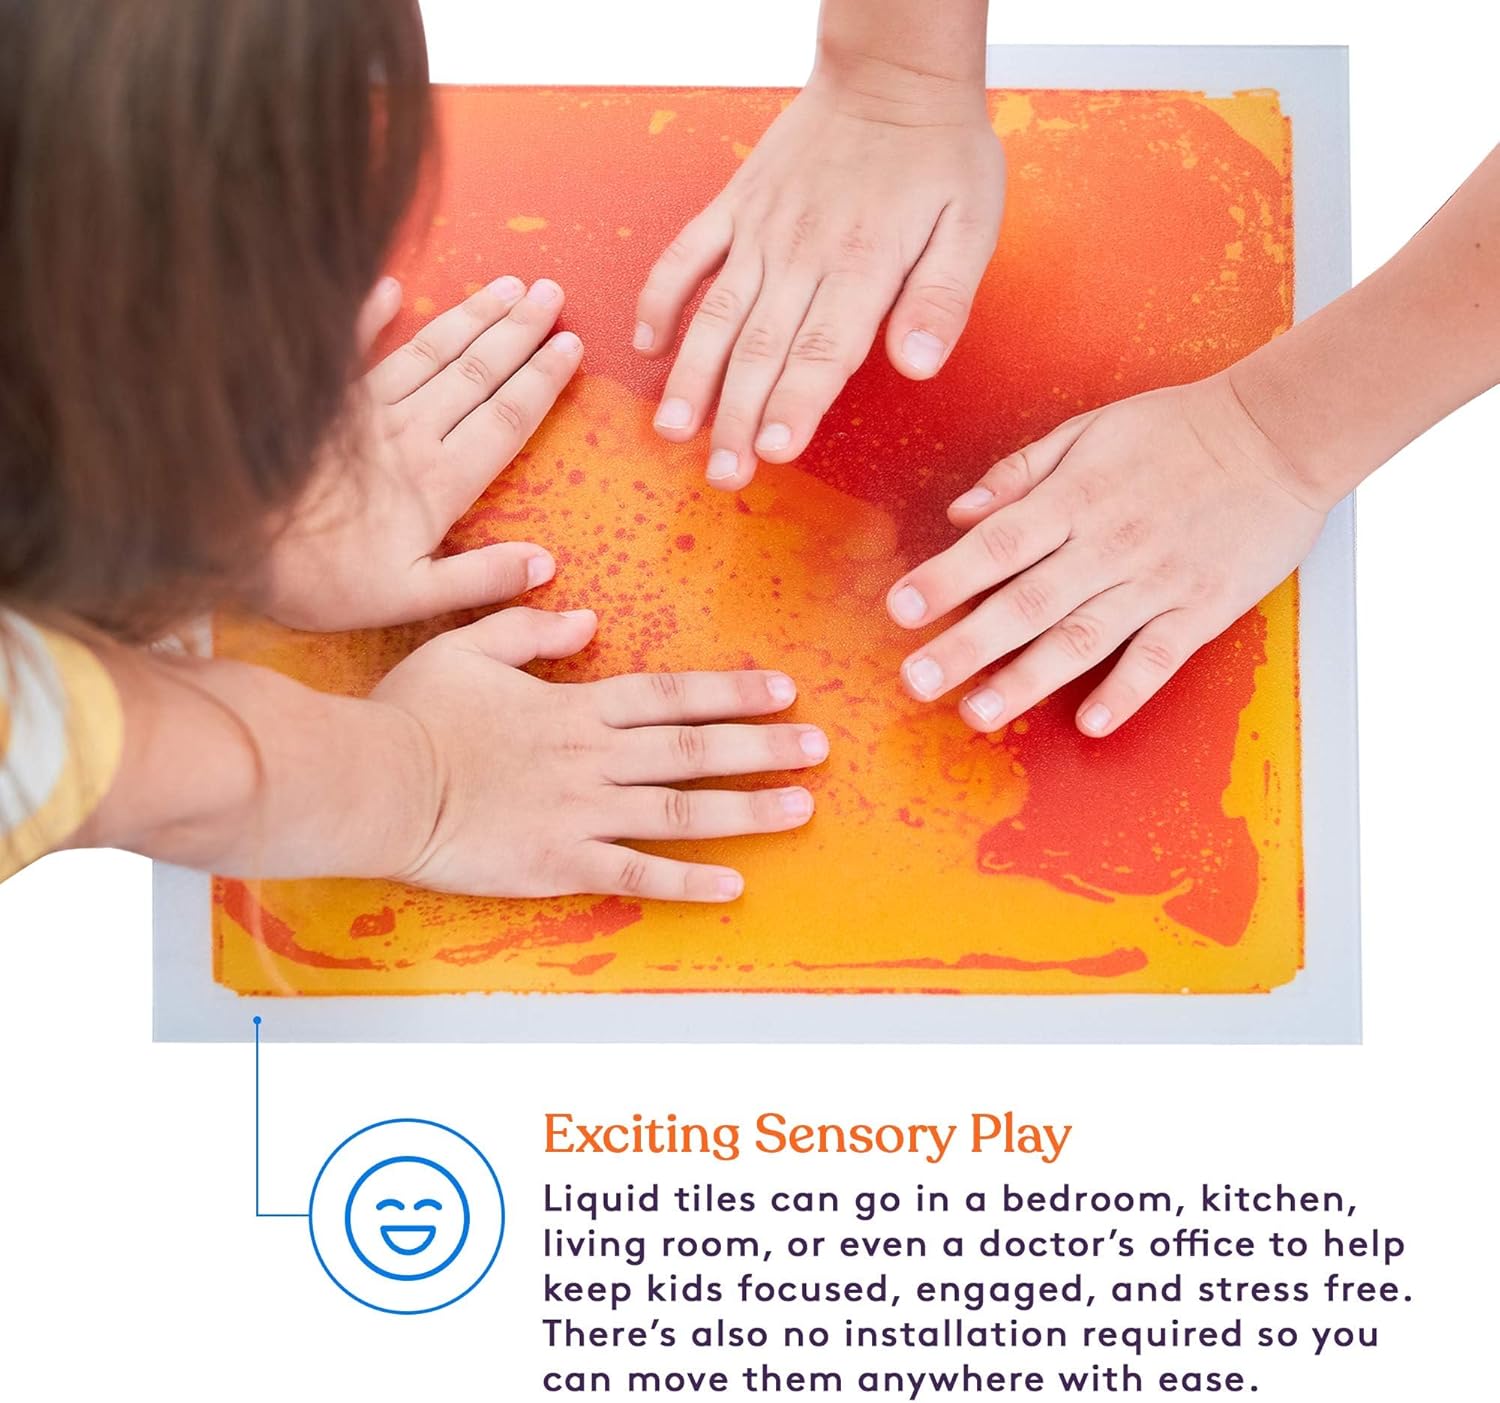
(128, 1247)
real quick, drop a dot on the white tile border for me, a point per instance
(1322, 1005)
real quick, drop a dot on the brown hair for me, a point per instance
(195, 198)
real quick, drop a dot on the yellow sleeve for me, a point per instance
(61, 731)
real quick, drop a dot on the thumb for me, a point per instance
(516, 637)
(474, 579)
(380, 306)
(931, 312)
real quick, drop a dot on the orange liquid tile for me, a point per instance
(1147, 242)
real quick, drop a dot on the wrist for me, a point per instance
(909, 90)
(1279, 398)
(415, 787)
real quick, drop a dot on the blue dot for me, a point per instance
(256, 1019)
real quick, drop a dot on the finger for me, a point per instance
(1009, 619)
(671, 754)
(998, 548)
(1085, 638)
(1149, 661)
(473, 579)
(759, 353)
(489, 360)
(1017, 473)
(410, 366)
(611, 870)
(933, 307)
(694, 254)
(480, 447)
(375, 315)
(519, 636)
(667, 814)
(831, 344)
(699, 367)
(664, 698)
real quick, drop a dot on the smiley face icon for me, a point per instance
(407, 1218)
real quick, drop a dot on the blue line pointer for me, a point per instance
(258, 1212)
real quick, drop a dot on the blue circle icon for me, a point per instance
(406, 1216)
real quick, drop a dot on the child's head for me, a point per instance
(195, 198)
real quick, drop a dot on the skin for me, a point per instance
(1156, 522)
(429, 429)
(878, 191)
(460, 772)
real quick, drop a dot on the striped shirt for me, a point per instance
(61, 731)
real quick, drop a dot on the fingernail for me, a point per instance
(973, 499)
(922, 351)
(1095, 719)
(539, 569)
(674, 414)
(773, 438)
(796, 803)
(644, 338)
(986, 705)
(925, 677)
(567, 343)
(507, 286)
(578, 614)
(544, 291)
(781, 688)
(908, 606)
(814, 744)
(387, 285)
(723, 463)
(728, 885)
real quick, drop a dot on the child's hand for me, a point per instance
(1158, 520)
(437, 420)
(534, 782)
(850, 203)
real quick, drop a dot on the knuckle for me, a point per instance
(1032, 601)
(1204, 586)
(1125, 537)
(678, 808)
(733, 420)
(755, 345)
(421, 350)
(999, 541)
(858, 245)
(817, 345)
(677, 252)
(631, 879)
(944, 295)
(474, 370)
(690, 747)
(801, 231)
(721, 304)
(1014, 471)
(1084, 490)
(669, 688)
(509, 413)
(1080, 636)
(1156, 656)
(503, 576)
(575, 742)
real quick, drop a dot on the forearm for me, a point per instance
(1342, 392)
(239, 770)
(905, 52)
